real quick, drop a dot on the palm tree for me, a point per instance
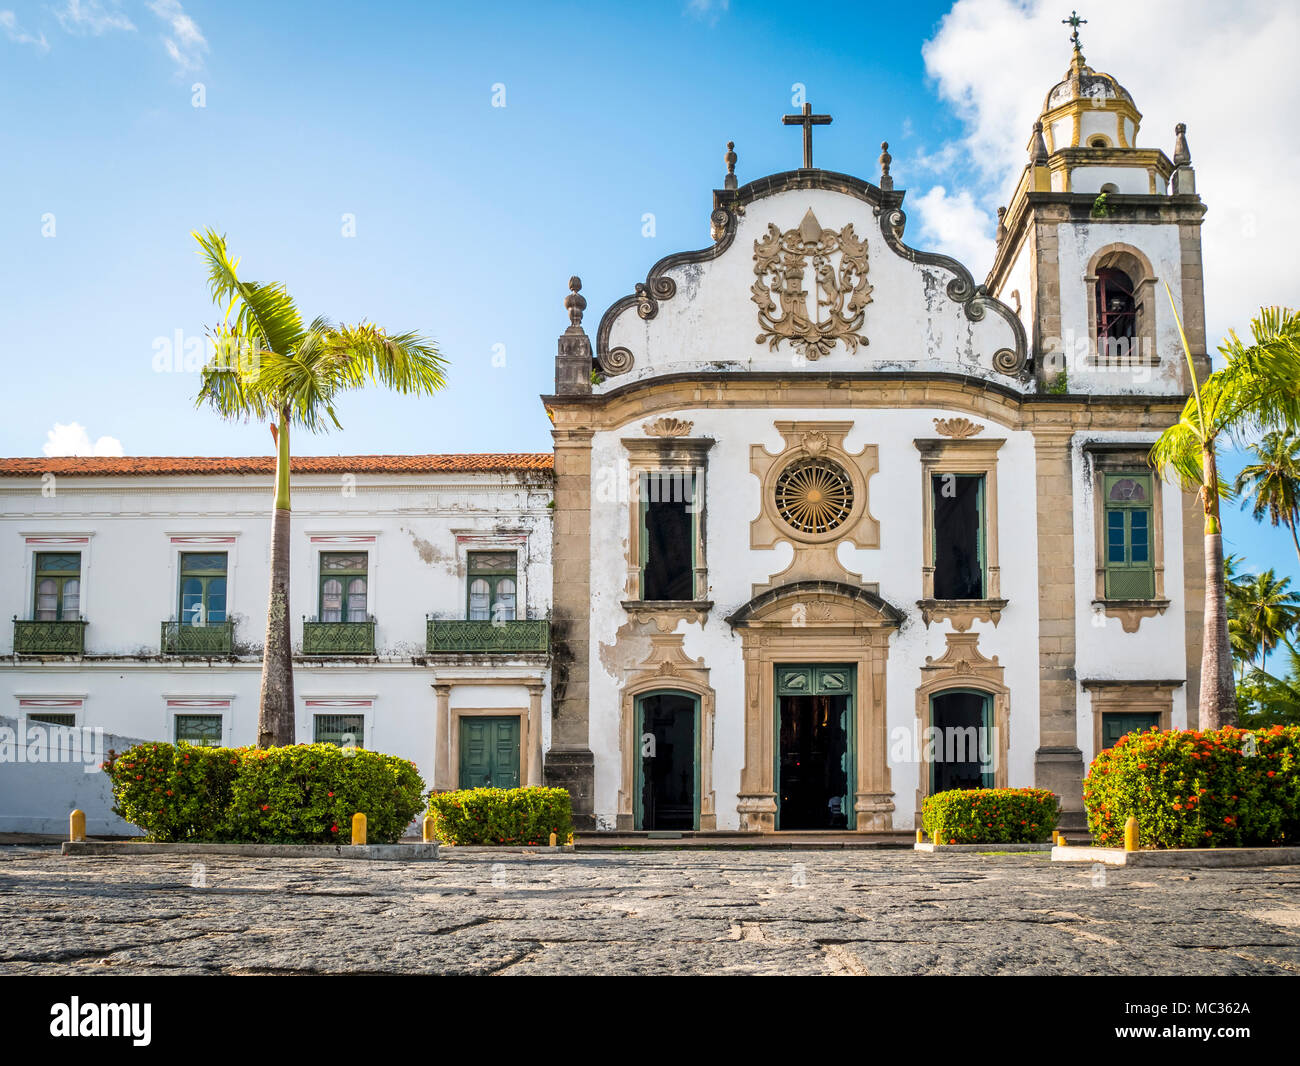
(1271, 486)
(1245, 649)
(1258, 388)
(1268, 613)
(268, 366)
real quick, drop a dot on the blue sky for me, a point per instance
(469, 218)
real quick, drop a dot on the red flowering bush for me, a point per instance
(990, 815)
(502, 816)
(172, 791)
(1198, 788)
(303, 794)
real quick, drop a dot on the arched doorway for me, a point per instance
(668, 761)
(815, 655)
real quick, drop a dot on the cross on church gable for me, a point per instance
(807, 120)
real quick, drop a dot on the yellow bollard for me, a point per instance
(1131, 834)
(77, 825)
(938, 839)
(920, 837)
(358, 828)
(552, 838)
(427, 829)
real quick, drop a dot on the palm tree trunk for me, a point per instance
(1294, 539)
(1218, 706)
(275, 710)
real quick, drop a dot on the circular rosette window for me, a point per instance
(814, 496)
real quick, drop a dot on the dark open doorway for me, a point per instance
(814, 767)
(963, 744)
(669, 776)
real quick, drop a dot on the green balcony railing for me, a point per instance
(516, 635)
(338, 638)
(50, 638)
(212, 638)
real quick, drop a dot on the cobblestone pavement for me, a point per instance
(712, 912)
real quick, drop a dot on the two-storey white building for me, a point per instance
(420, 596)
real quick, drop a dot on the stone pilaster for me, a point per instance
(443, 775)
(569, 762)
(1058, 763)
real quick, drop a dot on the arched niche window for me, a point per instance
(1116, 313)
(1121, 308)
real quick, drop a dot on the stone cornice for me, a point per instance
(866, 390)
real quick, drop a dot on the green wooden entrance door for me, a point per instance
(489, 752)
(815, 771)
(1114, 726)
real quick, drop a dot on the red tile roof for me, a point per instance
(178, 466)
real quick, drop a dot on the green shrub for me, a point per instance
(307, 794)
(499, 816)
(304, 794)
(1198, 789)
(173, 791)
(990, 815)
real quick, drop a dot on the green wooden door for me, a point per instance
(489, 752)
(1115, 725)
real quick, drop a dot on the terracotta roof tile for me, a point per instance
(178, 466)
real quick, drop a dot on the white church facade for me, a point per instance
(828, 525)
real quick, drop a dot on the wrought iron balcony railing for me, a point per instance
(212, 638)
(338, 638)
(50, 638)
(488, 637)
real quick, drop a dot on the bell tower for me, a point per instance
(1095, 230)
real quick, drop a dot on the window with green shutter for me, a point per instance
(203, 588)
(492, 583)
(67, 721)
(344, 586)
(58, 587)
(1130, 554)
(341, 730)
(203, 730)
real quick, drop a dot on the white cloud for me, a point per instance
(90, 16)
(184, 41)
(956, 226)
(707, 10)
(72, 439)
(1225, 70)
(9, 23)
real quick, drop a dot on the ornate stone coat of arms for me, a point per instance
(840, 290)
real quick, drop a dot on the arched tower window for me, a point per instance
(1117, 311)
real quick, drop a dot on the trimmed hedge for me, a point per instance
(304, 794)
(990, 815)
(1198, 788)
(502, 816)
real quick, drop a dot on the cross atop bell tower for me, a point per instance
(807, 120)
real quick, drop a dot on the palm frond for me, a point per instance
(263, 310)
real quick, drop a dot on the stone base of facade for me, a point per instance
(574, 770)
(1061, 770)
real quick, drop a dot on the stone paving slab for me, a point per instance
(643, 912)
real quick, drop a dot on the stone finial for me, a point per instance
(730, 181)
(575, 303)
(1002, 225)
(573, 358)
(886, 181)
(1182, 154)
(1038, 146)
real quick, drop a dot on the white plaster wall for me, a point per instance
(1018, 279)
(711, 323)
(1128, 180)
(1103, 651)
(1099, 121)
(1078, 243)
(895, 495)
